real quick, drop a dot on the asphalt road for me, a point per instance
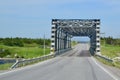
(76, 64)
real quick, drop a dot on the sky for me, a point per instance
(32, 18)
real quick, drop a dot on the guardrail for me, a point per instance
(116, 59)
(105, 58)
(24, 62)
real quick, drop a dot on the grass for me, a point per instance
(26, 52)
(5, 66)
(114, 64)
(110, 51)
(104, 61)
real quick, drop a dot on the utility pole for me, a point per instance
(44, 44)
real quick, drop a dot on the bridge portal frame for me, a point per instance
(64, 29)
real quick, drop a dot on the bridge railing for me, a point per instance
(24, 62)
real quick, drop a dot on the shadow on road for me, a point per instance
(84, 53)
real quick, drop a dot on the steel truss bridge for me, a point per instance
(64, 29)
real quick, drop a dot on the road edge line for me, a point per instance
(104, 69)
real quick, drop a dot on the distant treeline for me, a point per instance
(21, 41)
(110, 40)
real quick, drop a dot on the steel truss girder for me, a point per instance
(64, 29)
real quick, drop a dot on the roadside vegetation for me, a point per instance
(111, 48)
(111, 51)
(5, 66)
(114, 64)
(23, 47)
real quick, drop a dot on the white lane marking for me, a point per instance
(104, 69)
(26, 67)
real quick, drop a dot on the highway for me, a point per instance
(76, 64)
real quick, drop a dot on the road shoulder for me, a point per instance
(113, 70)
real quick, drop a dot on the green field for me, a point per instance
(110, 50)
(29, 51)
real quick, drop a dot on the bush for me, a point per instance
(13, 42)
(4, 53)
(111, 41)
(21, 41)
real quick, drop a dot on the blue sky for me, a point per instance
(32, 18)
